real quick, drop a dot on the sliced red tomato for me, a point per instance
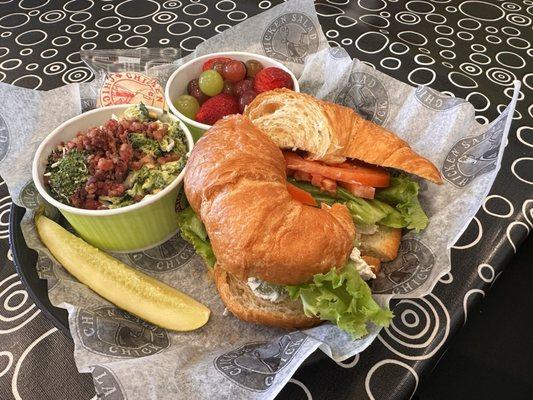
(329, 185)
(302, 176)
(301, 195)
(366, 192)
(209, 63)
(364, 175)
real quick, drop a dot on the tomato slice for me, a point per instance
(301, 195)
(366, 192)
(329, 185)
(302, 176)
(364, 175)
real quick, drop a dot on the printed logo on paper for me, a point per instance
(29, 196)
(367, 96)
(45, 270)
(434, 100)
(4, 138)
(169, 256)
(291, 37)
(106, 384)
(112, 332)
(130, 88)
(474, 156)
(255, 365)
(88, 104)
(408, 271)
(338, 52)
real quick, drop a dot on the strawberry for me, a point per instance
(272, 78)
(217, 107)
(209, 63)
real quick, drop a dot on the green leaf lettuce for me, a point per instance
(193, 230)
(396, 206)
(342, 297)
(403, 195)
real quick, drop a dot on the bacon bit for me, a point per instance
(146, 160)
(160, 133)
(168, 158)
(105, 164)
(91, 204)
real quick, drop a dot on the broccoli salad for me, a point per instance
(119, 163)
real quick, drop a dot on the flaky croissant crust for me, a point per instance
(235, 181)
(331, 132)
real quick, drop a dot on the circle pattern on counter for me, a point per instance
(471, 49)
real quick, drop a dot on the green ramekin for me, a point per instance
(132, 228)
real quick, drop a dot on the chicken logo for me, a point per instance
(367, 96)
(291, 37)
(474, 156)
(113, 332)
(408, 271)
(45, 269)
(106, 384)
(169, 256)
(436, 101)
(130, 88)
(4, 138)
(29, 196)
(255, 365)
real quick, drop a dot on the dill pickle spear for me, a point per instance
(122, 285)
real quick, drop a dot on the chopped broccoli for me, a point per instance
(176, 133)
(136, 190)
(156, 181)
(130, 179)
(151, 180)
(137, 112)
(145, 144)
(116, 202)
(173, 167)
(67, 175)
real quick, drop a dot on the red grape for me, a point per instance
(246, 99)
(229, 88)
(193, 88)
(253, 67)
(234, 71)
(243, 86)
(218, 66)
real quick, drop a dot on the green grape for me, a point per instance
(187, 105)
(211, 82)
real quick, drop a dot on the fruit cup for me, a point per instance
(177, 83)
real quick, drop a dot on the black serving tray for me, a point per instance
(25, 259)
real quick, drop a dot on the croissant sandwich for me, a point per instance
(293, 209)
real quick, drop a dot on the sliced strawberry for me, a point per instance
(209, 63)
(272, 78)
(216, 108)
